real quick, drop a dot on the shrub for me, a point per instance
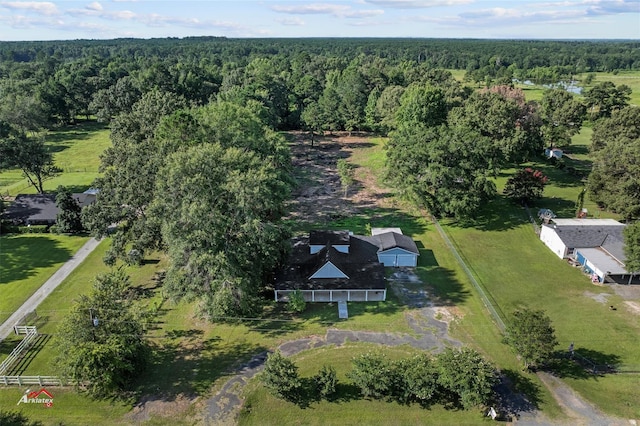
(296, 301)
(466, 375)
(280, 376)
(415, 379)
(372, 373)
(326, 381)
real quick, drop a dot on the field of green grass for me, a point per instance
(76, 150)
(27, 261)
(517, 270)
(347, 407)
(629, 78)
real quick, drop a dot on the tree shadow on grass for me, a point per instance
(516, 393)
(498, 214)
(28, 355)
(189, 364)
(21, 256)
(584, 364)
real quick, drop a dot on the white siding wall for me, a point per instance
(552, 240)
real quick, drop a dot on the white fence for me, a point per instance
(25, 329)
(31, 380)
(31, 334)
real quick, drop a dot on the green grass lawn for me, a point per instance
(629, 78)
(76, 150)
(348, 407)
(27, 261)
(69, 408)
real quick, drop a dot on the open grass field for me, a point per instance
(629, 78)
(27, 261)
(76, 150)
(518, 270)
(346, 407)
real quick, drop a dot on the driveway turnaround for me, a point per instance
(45, 290)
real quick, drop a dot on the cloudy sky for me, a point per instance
(564, 19)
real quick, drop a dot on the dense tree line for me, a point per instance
(194, 121)
(47, 83)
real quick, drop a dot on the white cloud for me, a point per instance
(613, 7)
(417, 4)
(94, 6)
(503, 16)
(293, 21)
(337, 10)
(40, 7)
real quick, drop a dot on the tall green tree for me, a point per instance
(69, 214)
(219, 210)
(502, 115)
(632, 247)
(101, 341)
(29, 154)
(128, 182)
(604, 98)
(624, 123)
(447, 170)
(532, 336)
(615, 178)
(562, 115)
(422, 105)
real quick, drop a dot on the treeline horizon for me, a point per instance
(452, 53)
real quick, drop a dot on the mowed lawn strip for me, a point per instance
(69, 408)
(76, 151)
(518, 270)
(27, 261)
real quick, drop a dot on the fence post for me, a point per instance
(40, 380)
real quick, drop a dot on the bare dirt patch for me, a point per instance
(157, 406)
(319, 197)
(599, 297)
(633, 307)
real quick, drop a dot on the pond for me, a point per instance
(569, 86)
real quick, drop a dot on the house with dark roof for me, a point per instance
(597, 244)
(336, 266)
(40, 209)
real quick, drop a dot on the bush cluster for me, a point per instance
(33, 229)
(462, 378)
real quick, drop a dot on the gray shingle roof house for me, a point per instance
(330, 266)
(40, 209)
(597, 244)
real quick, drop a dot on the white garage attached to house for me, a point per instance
(394, 248)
